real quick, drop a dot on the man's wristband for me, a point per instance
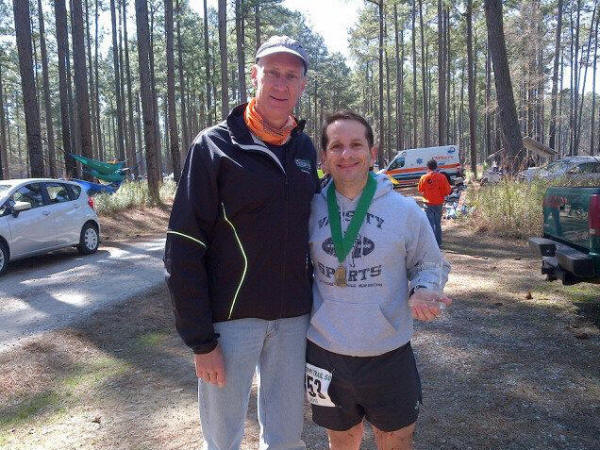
(414, 288)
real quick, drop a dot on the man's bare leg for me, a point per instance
(346, 440)
(401, 439)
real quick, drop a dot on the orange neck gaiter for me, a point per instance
(259, 127)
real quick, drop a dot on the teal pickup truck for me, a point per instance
(570, 247)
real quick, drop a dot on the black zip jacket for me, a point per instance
(237, 244)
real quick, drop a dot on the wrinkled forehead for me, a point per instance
(283, 61)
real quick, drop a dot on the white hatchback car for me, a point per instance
(38, 215)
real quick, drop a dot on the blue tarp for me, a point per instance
(97, 188)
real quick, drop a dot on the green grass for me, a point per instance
(509, 208)
(581, 292)
(513, 208)
(96, 371)
(153, 339)
(29, 408)
(132, 194)
(54, 402)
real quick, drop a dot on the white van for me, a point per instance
(409, 165)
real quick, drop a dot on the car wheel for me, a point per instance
(3, 257)
(89, 239)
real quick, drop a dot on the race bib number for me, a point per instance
(317, 385)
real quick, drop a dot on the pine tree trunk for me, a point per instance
(239, 33)
(47, 104)
(541, 81)
(81, 85)
(168, 165)
(553, 112)
(388, 112)
(424, 79)
(399, 82)
(471, 83)
(184, 115)
(488, 105)
(214, 82)
(382, 143)
(575, 139)
(560, 140)
(73, 116)
(133, 147)
(157, 139)
(60, 13)
(97, 89)
(8, 145)
(442, 132)
(117, 77)
(4, 166)
(123, 82)
(30, 102)
(415, 143)
(207, 66)
(147, 92)
(91, 93)
(448, 70)
(140, 160)
(504, 92)
(223, 53)
(461, 108)
(257, 23)
(172, 115)
(593, 112)
(579, 116)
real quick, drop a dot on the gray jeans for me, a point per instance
(434, 214)
(275, 350)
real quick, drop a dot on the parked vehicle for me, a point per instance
(38, 215)
(409, 165)
(572, 167)
(492, 175)
(570, 247)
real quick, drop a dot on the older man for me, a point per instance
(236, 256)
(375, 262)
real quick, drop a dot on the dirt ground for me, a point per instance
(134, 223)
(513, 364)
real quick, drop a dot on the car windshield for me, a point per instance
(556, 166)
(4, 189)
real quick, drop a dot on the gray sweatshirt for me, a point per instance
(395, 250)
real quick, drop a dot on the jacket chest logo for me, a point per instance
(304, 165)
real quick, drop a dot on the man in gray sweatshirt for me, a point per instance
(376, 267)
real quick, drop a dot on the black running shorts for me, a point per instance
(384, 389)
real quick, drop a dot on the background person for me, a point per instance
(375, 262)
(236, 256)
(435, 187)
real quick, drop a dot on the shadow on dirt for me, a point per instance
(498, 370)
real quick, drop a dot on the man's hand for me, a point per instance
(211, 367)
(425, 304)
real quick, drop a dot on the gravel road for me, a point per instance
(51, 291)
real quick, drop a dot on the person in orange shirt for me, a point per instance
(434, 186)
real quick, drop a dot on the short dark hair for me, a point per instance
(432, 164)
(345, 114)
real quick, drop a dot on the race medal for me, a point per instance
(344, 243)
(340, 276)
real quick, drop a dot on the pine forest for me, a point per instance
(136, 80)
